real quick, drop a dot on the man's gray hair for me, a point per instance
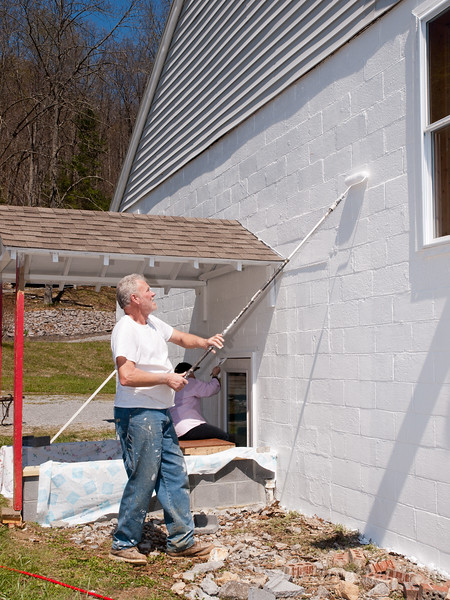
(127, 286)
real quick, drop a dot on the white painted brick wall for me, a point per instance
(352, 366)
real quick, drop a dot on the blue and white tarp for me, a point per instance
(80, 491)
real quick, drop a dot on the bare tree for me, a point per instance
(69, 92)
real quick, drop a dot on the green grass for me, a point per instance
(59, 559)
(76, 434)
(59, 367)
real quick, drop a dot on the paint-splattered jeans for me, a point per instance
(153, 461)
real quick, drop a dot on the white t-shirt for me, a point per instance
(146, 346)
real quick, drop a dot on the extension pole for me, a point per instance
(358, 178)
(81, 408)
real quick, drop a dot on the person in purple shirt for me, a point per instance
(186, 413)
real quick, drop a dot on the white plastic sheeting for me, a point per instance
(80, 491)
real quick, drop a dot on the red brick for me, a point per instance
(341, 559)
(410, 590)
(434, 591)
(357, 557)
(375, 578)
(400, 576)
(300, 569)
(382, 566)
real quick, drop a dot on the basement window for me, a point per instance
(436, 122)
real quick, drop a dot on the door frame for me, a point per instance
(233, 362)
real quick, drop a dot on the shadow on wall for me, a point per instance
(341, 250)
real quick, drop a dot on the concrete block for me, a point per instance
(205, 495)
(30, 488)
(205, 523)
(35, 441)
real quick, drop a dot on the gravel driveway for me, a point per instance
(42, 411)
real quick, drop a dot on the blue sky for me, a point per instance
(119, 7)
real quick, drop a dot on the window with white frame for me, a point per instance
(436, 121)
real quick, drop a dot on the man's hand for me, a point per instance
(216, 340)
(176, 381)
(215, 372)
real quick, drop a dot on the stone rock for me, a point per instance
(218, 553)
(351, 577)
(339, 571)
(347, 590)
(282, 587)
(322, 592)
(258, 580)
(381, 589)
(209, 587)
(258, 594)
(234, 590)
(211, 565)
(178, 588)
(226, 576)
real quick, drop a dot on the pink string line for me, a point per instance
(58, 583)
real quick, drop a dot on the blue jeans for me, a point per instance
(153, 462)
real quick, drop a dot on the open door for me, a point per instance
(237, 400)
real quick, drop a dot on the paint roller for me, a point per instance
(350, 181)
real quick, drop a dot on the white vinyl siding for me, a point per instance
(226, 59)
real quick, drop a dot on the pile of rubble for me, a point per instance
(62, 323)
(250, 561)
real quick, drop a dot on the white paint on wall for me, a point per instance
(352, 369)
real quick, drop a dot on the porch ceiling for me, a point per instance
(79, 247)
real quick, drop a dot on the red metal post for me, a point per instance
(1, 331)
(18, 382)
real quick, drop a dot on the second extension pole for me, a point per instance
(356, 179)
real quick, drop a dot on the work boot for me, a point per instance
(195, 551)
(129, 555)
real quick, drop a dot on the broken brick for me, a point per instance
(341, 559)
(300, 569)
(400, 576)
(382, 566)
(357, 557)
(410, 590)
(433, 591)
(374, 579)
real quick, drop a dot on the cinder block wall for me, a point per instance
(353, 364)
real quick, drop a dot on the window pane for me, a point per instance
(441, 180)
(237, 407)
(439, 66)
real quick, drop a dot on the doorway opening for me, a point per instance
(237, 400)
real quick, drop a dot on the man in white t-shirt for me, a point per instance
(145, 390)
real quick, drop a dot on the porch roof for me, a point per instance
(81, 247)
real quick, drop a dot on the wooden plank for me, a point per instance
(31, 471)
(209, 446)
